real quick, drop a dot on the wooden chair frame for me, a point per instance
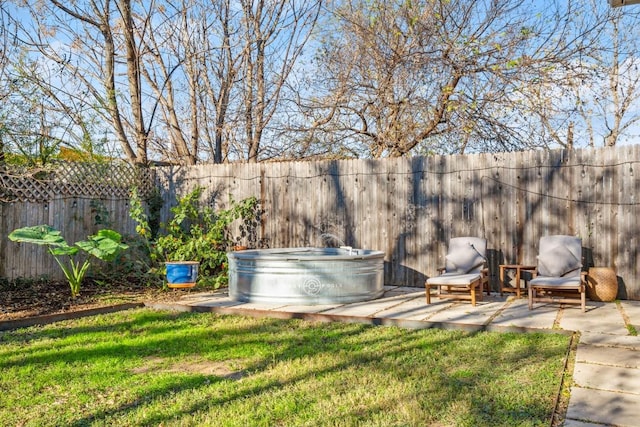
(471, 291)
(559, 294)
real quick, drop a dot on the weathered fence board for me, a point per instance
(407, 207)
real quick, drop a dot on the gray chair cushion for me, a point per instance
(557, 262)
(570, 282)
(454, 279)
(559, 256)
(466, 255)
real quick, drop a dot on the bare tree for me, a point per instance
(189, 63)
(6, 44)
(168, 70)
(441, 76)
(217, 71)
(593, 98)
(617, 99)
(35, 117)
(91, 43)
(274, 36)
(225, 80)
(193, 79)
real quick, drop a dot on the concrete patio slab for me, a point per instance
(413, 309)
(209, 299)
(308, 308)
(620, 341)
(214, 302)
(403, 290)
(261, 306)
(632, 310)
(465, 314)
(399, 295)
(609, 378)
(601, 317)
(366, 308)
(575, 423)
(611, 356)
(604, 407)
(517, 314)
(198, 295)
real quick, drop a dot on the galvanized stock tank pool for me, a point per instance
(306, 276)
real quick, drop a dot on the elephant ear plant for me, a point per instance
(104, 245)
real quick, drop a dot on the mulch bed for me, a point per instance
(39, 297)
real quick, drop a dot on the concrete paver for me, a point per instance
(518, 314)
(217, 297)
(612, 356)
(576, 423)
(366, 308)
(260, 306)
(215, 303)
(413, 309)
(604, 407)
(601, 317)
(619, 341)
(632, 310)
(464, 313)
(307, 308)
(606, 381)
(403, 290)
(631, 307)
(604, 377)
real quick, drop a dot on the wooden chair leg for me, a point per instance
(428, 293)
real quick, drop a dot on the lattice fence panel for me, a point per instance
(73, 179)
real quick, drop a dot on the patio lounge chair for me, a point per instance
(558, 276)
(464, 275)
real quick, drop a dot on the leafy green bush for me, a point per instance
(195, 233)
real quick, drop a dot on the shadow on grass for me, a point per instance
(440, 370)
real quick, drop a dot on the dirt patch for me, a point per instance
(37, 298)
(204, 367)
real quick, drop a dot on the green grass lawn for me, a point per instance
(143, 367)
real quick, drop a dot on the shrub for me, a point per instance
(195, 233)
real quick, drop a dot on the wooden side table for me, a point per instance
(519, 268)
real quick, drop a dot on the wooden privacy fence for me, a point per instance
(76, 198)
(410, 207)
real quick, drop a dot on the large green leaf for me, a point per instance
(105, 245)
(64, 250)
(40, 235)
(110, 234)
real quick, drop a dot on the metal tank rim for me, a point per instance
(307, 253)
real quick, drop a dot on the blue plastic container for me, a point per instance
(182, 274)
